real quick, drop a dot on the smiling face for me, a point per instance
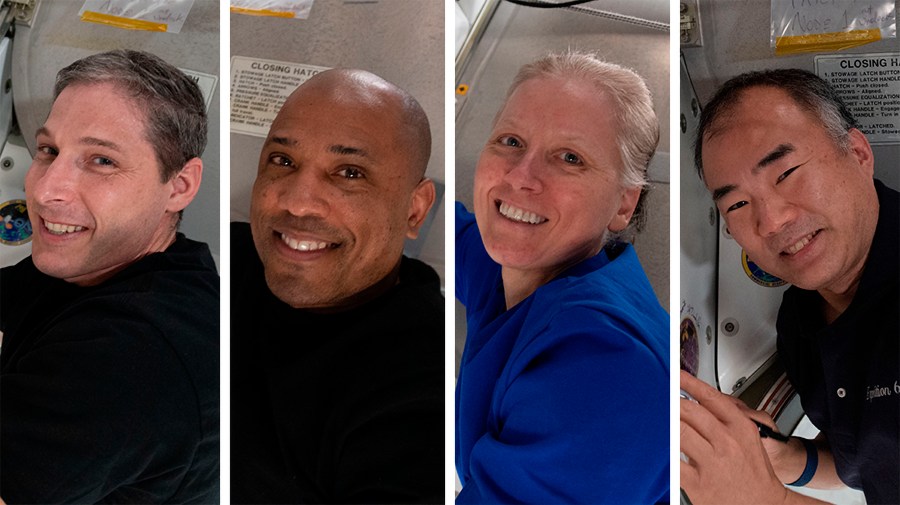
(94, 190)
(802, 208)
(547, 185)
(336, 193)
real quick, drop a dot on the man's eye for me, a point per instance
(351, 173)
(571, 158)
(736, 206)
(281, 161)
(47, 151)
(509, 140)
(787, 173)
(102, 160)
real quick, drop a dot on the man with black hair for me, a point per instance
(792, 176)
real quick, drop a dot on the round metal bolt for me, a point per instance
(730, 327)
(708, 335)
(739, 384)
(683, 124)
(6, 163)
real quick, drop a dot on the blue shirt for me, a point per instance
(564, 397)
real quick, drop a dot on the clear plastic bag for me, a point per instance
(149, 15)
(830, 25)
(297, 9)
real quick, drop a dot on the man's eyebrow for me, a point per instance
(92, 141)
(718, 193)
(339, 149)
(779, 152)
(283, 141)
(776, 154)
(348, 150)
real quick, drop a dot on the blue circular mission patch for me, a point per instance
(16, 227)
(757, 274)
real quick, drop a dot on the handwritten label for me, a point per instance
(172, 13)
(808, 17)
(870, 86)
(259, 88)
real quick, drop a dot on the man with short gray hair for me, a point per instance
(110, 328)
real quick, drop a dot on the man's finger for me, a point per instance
(690, 478)
(694, 445)
(717, 403)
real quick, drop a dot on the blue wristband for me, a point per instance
(812, 462)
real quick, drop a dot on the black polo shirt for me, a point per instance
(848, 372)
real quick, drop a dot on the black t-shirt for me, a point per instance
(848, 372)
(336, 408)
(110, 393)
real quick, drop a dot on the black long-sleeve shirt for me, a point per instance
(336, 408)
(110, 393)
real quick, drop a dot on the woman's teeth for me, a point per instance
(520, 215)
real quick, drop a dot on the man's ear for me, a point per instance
(862, 151)
(421, 202)
(185, 185)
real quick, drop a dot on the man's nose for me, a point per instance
(52, 183)
(304, 193)
(772, 214)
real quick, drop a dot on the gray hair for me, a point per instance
(638, 133)
(175, 110)
(809, 91)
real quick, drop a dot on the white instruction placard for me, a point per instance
(206, 83)
(870, 86)
(258, 89)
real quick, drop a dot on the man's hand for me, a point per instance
(787, 458)
(727, 462)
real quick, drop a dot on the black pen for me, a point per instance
(766, 432)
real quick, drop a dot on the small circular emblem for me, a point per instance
(16, 228)
(757, 274)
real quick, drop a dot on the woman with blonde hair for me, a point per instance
(562, 394)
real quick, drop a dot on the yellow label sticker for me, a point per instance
(120, 22)
(262, 12)
(825, 41)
